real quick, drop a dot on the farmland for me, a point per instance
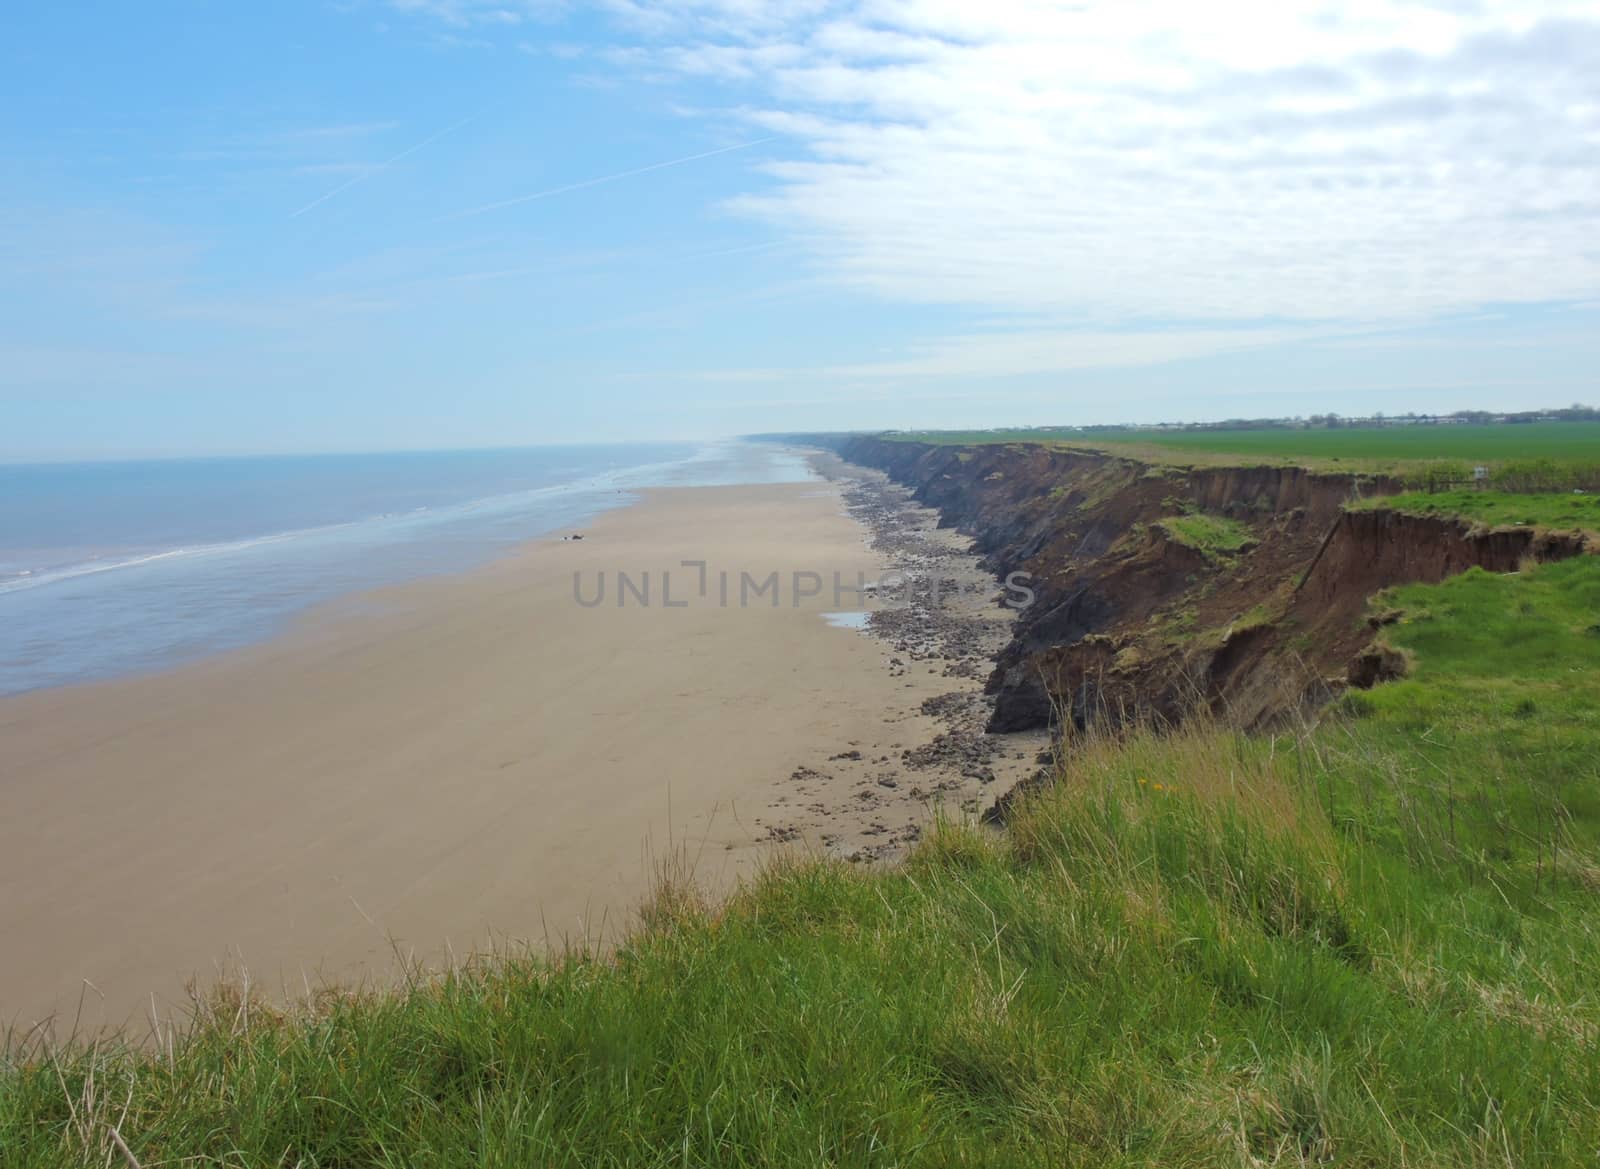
(1376, 448)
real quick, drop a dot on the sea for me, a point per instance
(114, 568)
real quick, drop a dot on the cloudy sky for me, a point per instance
(377, 224)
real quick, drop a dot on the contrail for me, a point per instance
(627, 174)
(366, 174)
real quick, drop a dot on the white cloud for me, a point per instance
(1023, 352)
(1161, 160)
(1129, 182)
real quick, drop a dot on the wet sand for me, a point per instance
(445, 765)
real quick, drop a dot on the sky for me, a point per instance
(325, 225)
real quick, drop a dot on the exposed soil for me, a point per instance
(1129, 621)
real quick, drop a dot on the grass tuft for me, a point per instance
(1213, 535)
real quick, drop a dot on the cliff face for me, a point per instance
(1159, 588)
(1371, 550)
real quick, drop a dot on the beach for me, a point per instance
(493, 758)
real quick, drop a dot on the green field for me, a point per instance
(1562, 441)
(1389, 447)
(1374, 942)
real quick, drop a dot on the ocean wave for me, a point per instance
(29, 579)
(610, 481)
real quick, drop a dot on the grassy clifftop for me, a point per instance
(1520, 457)
(1371, 942)
(1485, 442)
(1567, 511)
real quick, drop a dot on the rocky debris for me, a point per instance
(936, 614)
(956, 706)
(930, 612)
(965, 751)
(887, 842)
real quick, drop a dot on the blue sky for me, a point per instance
(399, 224)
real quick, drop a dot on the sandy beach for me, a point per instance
(456, 762)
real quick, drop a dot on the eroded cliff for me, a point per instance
(1158, 589)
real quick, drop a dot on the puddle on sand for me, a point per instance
(850, 619)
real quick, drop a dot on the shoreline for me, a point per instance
(127, 608)
(317, 808)
(868, 800)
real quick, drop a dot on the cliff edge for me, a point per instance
(1159, 588)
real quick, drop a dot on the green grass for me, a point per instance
(1532, 456)
(1488, 443)
(1563, 511)
(1497, 724)
(1565, 441)
(1375, 942)
(1212, 534)
(1046, 434)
